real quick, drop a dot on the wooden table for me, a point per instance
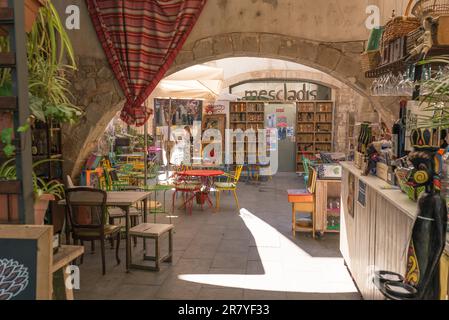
(61, 260)
(123, 200)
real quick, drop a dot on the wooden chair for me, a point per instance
(88, 218)
(304, 201)
(229, 185)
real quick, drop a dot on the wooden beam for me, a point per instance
(20, 89)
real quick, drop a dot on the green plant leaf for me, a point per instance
(9, 150)
(24, 128)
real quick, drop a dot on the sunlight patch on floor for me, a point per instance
(286, 266)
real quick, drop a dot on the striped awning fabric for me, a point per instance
(141, 39)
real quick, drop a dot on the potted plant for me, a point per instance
(44, 192)
(48, 46)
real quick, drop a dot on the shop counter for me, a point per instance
(376, 226)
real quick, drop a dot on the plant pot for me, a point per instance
(40, 208)
(201, 197)
(31, 9)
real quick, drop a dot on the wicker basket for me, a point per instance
(370, 60)
(399, 27)
(434, 8)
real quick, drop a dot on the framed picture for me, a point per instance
(26, 255)
(216, 121)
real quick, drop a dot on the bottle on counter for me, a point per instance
(398, 132)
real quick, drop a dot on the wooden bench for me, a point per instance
(155, 232)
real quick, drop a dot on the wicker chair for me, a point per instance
(87, 215)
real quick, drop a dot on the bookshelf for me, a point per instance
(246, 115)
(314, 130)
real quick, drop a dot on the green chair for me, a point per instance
(156, 207)
(307, 163)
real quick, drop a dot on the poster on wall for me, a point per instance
(219, 107)
(271, 120)
(282, 127)
(183, 112)
(351, 194)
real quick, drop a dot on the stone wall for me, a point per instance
(95, 90)
(328, 35)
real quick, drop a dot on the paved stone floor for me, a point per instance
(231, 255)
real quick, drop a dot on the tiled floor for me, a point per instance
(231, 255)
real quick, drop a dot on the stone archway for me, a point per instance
(340, 60)
(96, 89)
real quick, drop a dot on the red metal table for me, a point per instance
(206, 177)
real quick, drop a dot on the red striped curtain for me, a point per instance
(141, 39)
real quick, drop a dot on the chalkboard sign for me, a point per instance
(25, 262)
(18, 263)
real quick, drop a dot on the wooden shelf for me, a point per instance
(6, 16)
(312, 109)
(8, 103)
(10, 187)
(237, 109)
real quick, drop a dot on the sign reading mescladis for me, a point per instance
(281, 91)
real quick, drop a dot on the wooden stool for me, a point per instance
(153, 231)
(302, 201)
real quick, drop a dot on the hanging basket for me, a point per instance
(400, 26)
(370, 60)
(434, 8)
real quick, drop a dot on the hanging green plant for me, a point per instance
(48, 49)
(48, 46)
(436, 100)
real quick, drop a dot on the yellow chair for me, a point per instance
(229, 185)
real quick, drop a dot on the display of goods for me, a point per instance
(413, 193)
(399, 27)
(434, 8)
